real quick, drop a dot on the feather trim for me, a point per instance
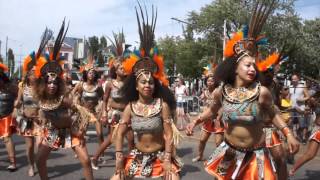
(160, 74)
(129, 63)
(229, 48)
(26, 64)
(268, 62)
(4, 67)
(41, 61)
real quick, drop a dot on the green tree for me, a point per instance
(1, 59)
(168, 47)
(94, 46)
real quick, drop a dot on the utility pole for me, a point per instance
(7, 51)
(181, 21)
(224, 35)
(0, 47)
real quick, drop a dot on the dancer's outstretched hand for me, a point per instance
(189, 129)
(293, 144)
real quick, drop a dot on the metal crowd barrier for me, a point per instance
(192, 104)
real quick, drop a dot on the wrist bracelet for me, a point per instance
(167, 156)
(119, 155)
(286, 131)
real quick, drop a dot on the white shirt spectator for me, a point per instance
(180, 92)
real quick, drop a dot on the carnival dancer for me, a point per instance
(273, 141)
(89, 93)
(8, 93)
(209, 126)
(246, 108)
(57, 109)
(314, 140)
(149, 113)
(114, 101)
(28, 107)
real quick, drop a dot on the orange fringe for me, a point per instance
(272, 59)
(41, 61)
(4, 67)
(160, 74)
(129, 63)
(228, 52)
(26, 61)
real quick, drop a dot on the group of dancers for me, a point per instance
(136, 104)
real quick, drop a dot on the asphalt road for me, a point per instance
(62, 165)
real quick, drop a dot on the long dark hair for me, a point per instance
(112, 72)
(40, 88)
(85, 76)
(226, 71)
(131, 94)
(4, 77)
(215, 84)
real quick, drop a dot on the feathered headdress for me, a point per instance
(247, 40)
(30, 61)
(119, 49)
(52, 65)
(147, 58)
(3, 68)
(209, 69)
(88, 66)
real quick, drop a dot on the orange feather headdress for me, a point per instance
(147, 59)
(52, 65)
(30, 61)
(118, 49)
(246, 42)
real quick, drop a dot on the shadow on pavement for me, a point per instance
(184, 151)
(311, 175)
(61, 170)
(187, 168)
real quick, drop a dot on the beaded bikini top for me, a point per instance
(91, 95)
(240, 105)
(208, 97)
(115, 91)
(28, 98)
(147, 118)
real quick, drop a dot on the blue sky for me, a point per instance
(23, 21)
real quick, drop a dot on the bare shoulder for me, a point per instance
(264, 91)
(217, 93)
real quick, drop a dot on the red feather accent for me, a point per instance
(229, 51)
(263, 65)
(4, 67)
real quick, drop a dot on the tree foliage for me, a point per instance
(97, 47)
(287, 33)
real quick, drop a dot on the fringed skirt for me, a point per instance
(60, 138)
(27, 127)
(148, 165)
(114, 116)
(229, 162)
(272, 137)
(315, 134)
(7, 126)
(209, 127)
